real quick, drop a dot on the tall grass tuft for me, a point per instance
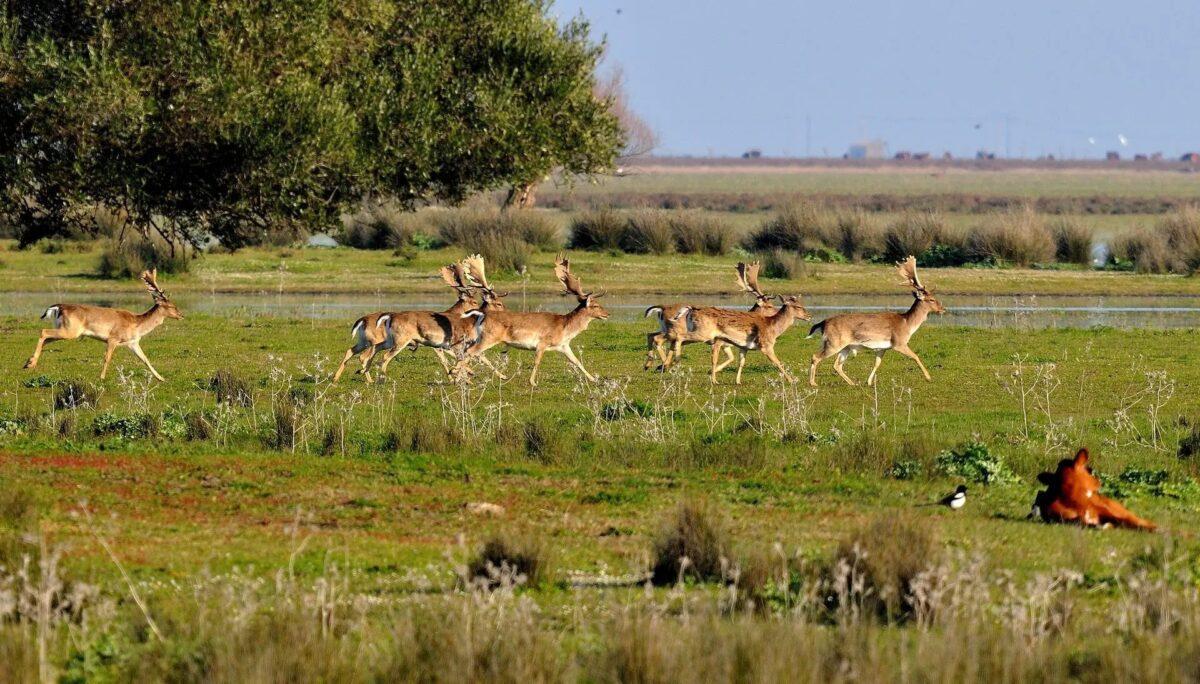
(1182, 230)
(692, 543)
(797, 227)
(1145, 250)
(858, 236)
(72, 394)
(697, 233)
(600, 229)
(648, 231)
(231, 388)
(888, 555)
(128, 258)
(926, 236)
(783, 264)
(1018, 237)
(510, 560)
(1073, 241)
(504, 238)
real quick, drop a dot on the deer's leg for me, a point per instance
(108, 354)
(676, 352)
(913, 355)
(570, 354)
(741, 365)
(441, 357)
(837, 366)
(878, 360)
(48, 335)
(391, 354)
(137, 351)
(826, 352)
(769, 351)
(653, 350)
(729, 357)
(712, 374)
(537, 361)
(342, 366)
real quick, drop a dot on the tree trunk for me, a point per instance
(521, 196)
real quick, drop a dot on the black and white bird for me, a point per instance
(956, 500)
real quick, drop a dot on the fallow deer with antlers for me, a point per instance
(116, 327)
(673, 328)
(534, 331)
(391, 332)
(745, 330)
(844, 335)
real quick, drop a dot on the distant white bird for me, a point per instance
(1123, 140)
(1091, 141)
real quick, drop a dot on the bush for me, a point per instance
(544, 441)
(136, 426)
(649, 231)
(1145, 250)
(1017, 237)
(285, 423)
(973, 462)
(695, 531)
(231, 388)
(599, 230)
(782, 264)
(888, 555)
(858, 236)
(18, 519)
(128, 258)
(1072, 242)
(505, 239)
(798, 227)
(696, 233)
(72, 394)
(198, 427)
(510, 560)
(1182, 231)
(1189, 446)
(922, 235)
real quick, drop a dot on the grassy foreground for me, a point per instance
(321, 530)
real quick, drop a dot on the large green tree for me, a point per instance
(233, 117)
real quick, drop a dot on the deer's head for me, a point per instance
(161, 300)
(908, 271)
(793, 305)
(473, 272)
(588, 301)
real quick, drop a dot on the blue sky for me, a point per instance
(720, 77)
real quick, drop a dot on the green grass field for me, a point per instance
(299, 529)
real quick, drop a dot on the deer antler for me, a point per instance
(456, 277)
(151, 280)
(908, 271)
(562, 270)
(747, 278)
(473, 266)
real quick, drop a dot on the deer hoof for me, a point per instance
(30, 364)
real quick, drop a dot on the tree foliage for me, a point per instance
(232, 118)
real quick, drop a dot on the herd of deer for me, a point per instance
(479, 320)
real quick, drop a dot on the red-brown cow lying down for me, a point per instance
(1073, 495)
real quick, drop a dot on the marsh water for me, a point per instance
(1050, 311)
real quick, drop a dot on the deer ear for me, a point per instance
(1081, 458)
(1046, 479)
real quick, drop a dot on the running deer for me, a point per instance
(746, 330)
(673, 328)
(844, 335)
(1073, 495)
(538, 331)
(392, 332)
(117, 327)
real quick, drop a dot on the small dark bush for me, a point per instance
(599, 230)
(72, 394)
(1189, 446)
(421, 434)
(66, 425)
(545, 441)
(385, 225)
(198, 427)
(285, 423)
(334, 439)
(694, 531)
(1072, 242)
(783, 264)
(888, 555)
(231, 388)
(859, 236)
(135, 426)
(128, 258)
(523, 561)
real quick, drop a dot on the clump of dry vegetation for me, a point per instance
(693, 543)
(1016, 237)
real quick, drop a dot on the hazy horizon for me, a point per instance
(1022, 78)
